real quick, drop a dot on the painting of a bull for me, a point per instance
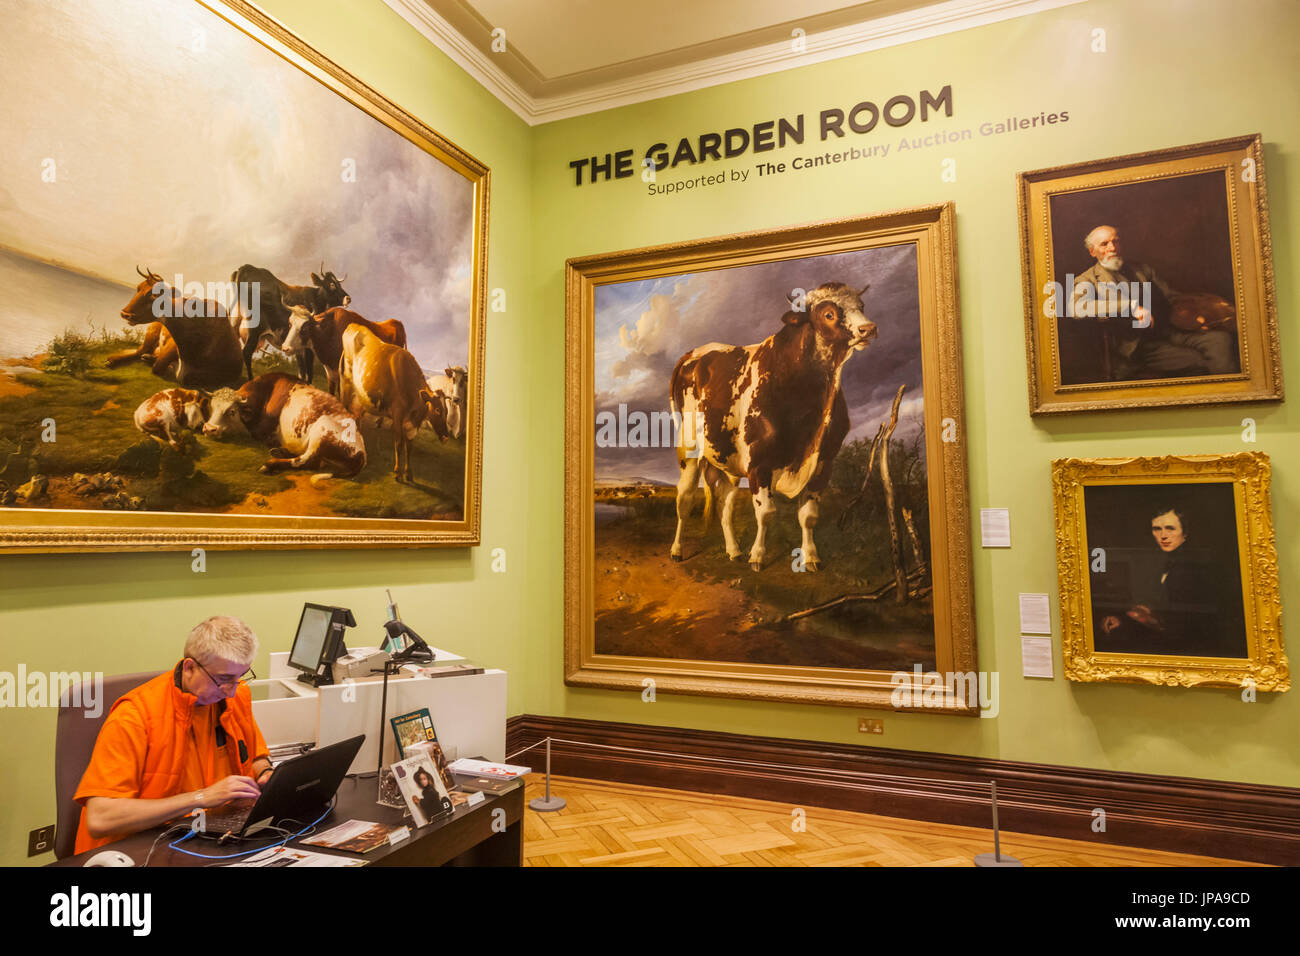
(810, 402)
(771, 413)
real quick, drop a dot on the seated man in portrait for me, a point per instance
(183, 741)
(1184, 606)
(1143, 342)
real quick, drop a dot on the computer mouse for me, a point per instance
(110, 858)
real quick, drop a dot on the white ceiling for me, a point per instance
(564, 37)
(569, 57)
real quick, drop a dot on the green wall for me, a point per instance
(1175, 72)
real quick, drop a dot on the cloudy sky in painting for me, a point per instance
(183, 145)
(644, 327)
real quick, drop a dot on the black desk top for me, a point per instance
(436, 843)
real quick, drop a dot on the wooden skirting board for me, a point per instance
(1239, 821)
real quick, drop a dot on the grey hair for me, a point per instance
(1091, 238)
(227, 638)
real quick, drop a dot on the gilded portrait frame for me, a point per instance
(1264, 667)
(35, 530)
(932, 229)
(1240, 163)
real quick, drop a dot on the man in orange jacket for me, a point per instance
(180, 742)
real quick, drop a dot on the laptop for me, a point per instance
(299, 790)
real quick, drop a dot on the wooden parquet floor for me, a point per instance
(615, 824)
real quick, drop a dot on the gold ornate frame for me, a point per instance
(50, 530)
(932, 229)
(1265, 666)
(1241, 160)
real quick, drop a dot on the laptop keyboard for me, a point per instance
(229, 818)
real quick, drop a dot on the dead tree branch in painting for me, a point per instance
(907, 585)
(875, 595)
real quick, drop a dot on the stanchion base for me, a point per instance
(542, 805)
(988, 859)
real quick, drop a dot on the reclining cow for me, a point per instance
(386, 381)
(303, 426)
(156, 338)
(203, 347)
(164, 414)
(771, 412)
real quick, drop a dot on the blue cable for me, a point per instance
(260, 849)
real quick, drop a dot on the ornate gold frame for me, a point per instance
(1252, 258)
(35, 530)
(1266, 665)
(932, 229)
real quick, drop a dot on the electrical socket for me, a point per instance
(871, 725)
(40, 841)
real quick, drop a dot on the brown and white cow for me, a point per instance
(323, 334)
(772, 413)
(269, 322)
(163, 414)
(385, 380)
(304, 427)
(156, 339)
(203, 347)
(452, 384)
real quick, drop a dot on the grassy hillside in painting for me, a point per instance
(92, 410)
(707, 607)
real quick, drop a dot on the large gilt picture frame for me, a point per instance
(1168, 571)
(766, 482)
(1148, 280)
(253, 292)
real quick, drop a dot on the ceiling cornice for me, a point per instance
(893, 30)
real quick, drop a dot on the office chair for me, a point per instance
(74, 742)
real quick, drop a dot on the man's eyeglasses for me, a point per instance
(244, 678)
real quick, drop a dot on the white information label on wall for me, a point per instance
(1035, 614)
(995, 527)
(1036, 656)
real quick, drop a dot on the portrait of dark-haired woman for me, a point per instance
(427, 794)
(1186, 601)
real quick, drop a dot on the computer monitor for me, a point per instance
(319, 642)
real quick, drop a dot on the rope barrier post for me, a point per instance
(996, 858)
(547, 804)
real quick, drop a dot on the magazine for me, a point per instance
(422, 787)
(412, 728)
(433, 750)
(356, 836)
(482, 768)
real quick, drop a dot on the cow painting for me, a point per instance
(274, 303)
(165, 415)
(385, 381)
(453, 386)
(304, 427)
(323, 334)
(202, 346)
(772, 413)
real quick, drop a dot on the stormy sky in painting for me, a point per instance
(182, 145)
(644, 327)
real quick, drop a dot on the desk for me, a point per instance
(462, 838)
